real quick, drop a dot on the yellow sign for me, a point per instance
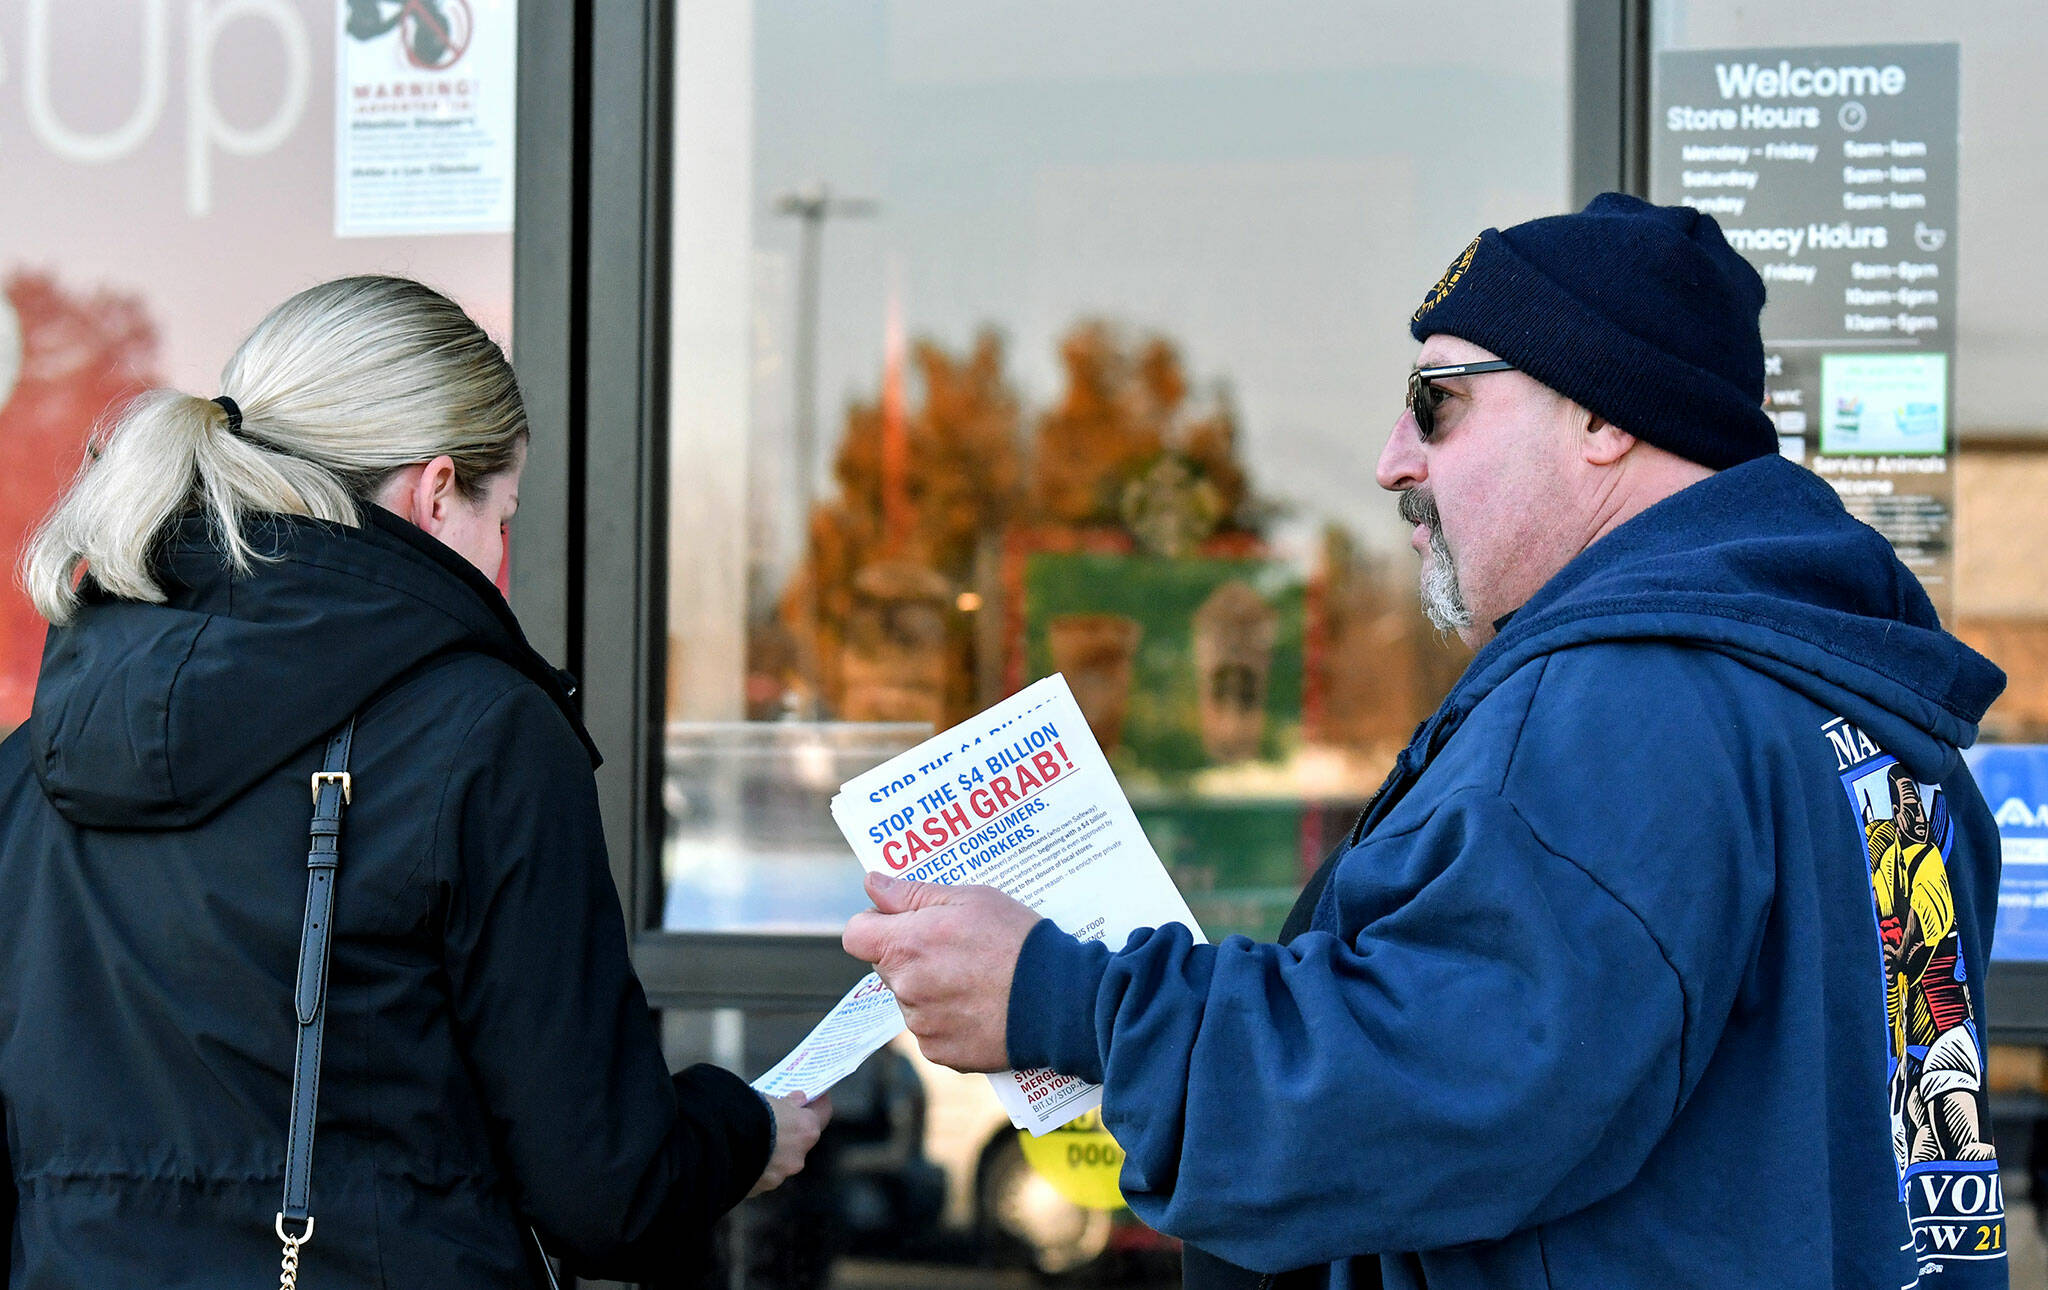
(1080, 1160)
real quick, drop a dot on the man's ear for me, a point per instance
(1604, 443)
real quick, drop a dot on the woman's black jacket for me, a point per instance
(490, 1058)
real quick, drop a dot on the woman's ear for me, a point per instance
(432, 495)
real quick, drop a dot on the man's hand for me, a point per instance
(798, 1122)
(948, 953)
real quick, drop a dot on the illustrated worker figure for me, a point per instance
(1596, 993)
(1938, 1065)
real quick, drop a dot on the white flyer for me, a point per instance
(1020, 798)
(857, 1026)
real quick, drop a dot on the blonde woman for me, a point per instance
(229, 582)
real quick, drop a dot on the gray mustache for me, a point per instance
(1419, 507)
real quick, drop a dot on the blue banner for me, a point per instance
(2014, 779)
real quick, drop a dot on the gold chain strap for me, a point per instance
(288, 1279)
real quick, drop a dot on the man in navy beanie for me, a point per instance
(1658, 959)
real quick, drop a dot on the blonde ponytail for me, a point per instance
(338, 387)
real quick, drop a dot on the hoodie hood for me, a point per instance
(154, 716)
(1762, 563)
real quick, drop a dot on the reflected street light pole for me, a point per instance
(813, 206)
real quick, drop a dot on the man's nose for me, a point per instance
(1401, 461)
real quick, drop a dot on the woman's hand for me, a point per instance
(798, 1122)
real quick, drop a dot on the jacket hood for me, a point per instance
(154, 716)
(1762, 563)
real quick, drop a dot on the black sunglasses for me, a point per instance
(1424, 398)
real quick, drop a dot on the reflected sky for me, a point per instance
(1271, 187)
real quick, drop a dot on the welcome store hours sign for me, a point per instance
(1834, 171)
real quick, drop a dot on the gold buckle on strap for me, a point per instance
(334, 777)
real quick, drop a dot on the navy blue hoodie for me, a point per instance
(1657, 962)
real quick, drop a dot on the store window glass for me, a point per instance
(1915, 296)
(1884, 164)
(174, 171)
(1999, 595)
(1018, 339)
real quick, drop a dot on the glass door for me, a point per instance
(1011, 340)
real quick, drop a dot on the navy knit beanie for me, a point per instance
(1641, 314)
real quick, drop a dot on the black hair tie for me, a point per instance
(234, 411)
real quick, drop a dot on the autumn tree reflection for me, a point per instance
(66, 358)
(876, 612)
(1117, 536)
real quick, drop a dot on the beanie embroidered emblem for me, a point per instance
(1450, 279)
(1641, 314)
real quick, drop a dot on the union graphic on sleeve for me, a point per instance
(1940, 1123)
